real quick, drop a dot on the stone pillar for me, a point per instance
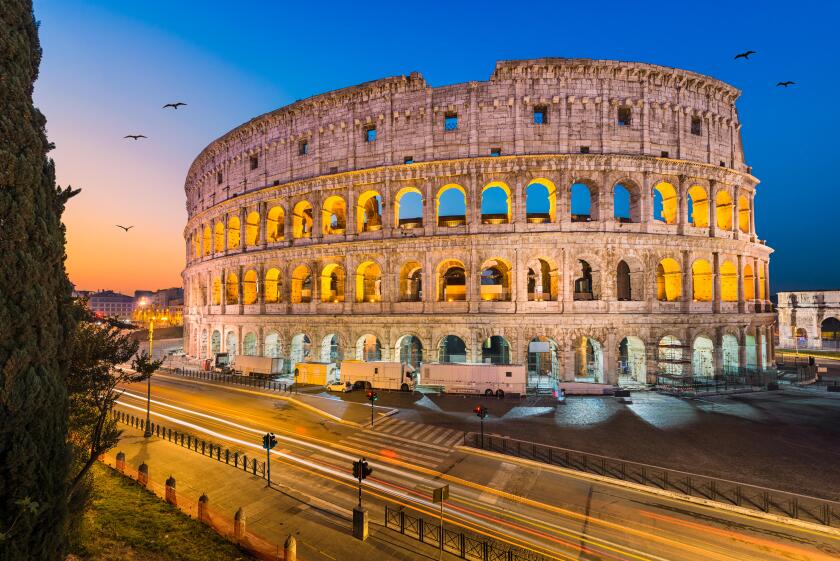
(735, 227)
(687, 281)
(712, 208)
(170, 494)
(387, 209)
(287, 222)
(752, 214)
(261, 287)
(120, 462)
(239, 525)
(243, 228)
(564, 201)
(225, 237)
(239, 292)
(517, 201)
(742, 347)
(203, 509)
(610, 360)
(351, 229)
(261, 227)
(143, 475)
(757, 304)
(758, 359)
(290, 549)
(741, 303)
(682, 205)
(317, 218)
(716, 298)
(223, 298)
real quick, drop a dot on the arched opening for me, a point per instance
(830, 331)
(801, 335)
(301, 285)
(272, 286)
(540, 202)
(743, 214)
(196, 245)
(622, 204)
(584, 282)
(230, 343)
(452, 281)
(299, 350)
(216, 342)
(665, 203)
(728, 282)
(332, 284)
(750, 352)
(495, 350)
(272, 346)
(495, 281)
(701, 281)
(369, 212)
(542, 281)
(334, 216)
(668, 280)
(762, 347)
(671, 359)
(408, 208)
(302, 220)
(451, 206)
(411, 282)
(698, 207)
(702, 359)
(275, 224)
(589, 360)
(410, 351)
(729, 350)
(543, 362)
(369, 282)
(749, 283)
(762, 283)
(581, 204)
(202, 347)
(249, 344)
(495, 203)
(723, 210)
(331, 349)
(219, 237)
(217, 291)
(368, 348)
(233, 232)
(249, 287)
(623, 286)
(252, 228)
(207, 240)
(452, 349)
(632, 362)
(231, 289)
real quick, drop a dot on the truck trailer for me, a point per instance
(262, 366)
(475, 378)
(317, 373)
(377, 374)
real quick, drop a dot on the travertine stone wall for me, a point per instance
(805, 311)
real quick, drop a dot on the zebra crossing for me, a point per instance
(418, 443)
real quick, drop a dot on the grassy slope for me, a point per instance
(127, 523)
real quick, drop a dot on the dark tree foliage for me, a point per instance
(36, 322)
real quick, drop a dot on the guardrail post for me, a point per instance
(239, 525)
(121, 462)
(143, 474)
(290, 549)
(420, 527)
(203, 514)
(170, 494)
(402, 522)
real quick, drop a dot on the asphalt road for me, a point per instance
(564, 516)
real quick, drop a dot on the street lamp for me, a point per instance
(148, 432)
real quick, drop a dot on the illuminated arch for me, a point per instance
(334, 216)
(219, 237)
(233, 232)
(665, 203)
(670, 356)
(589, 360)
(762, 288)
(702, 280)
(249, 344)
(252, 229)
(698, 206)
(249, 287)
(632, 361)
(332, 283)
(728, 282)
(230, 343)
(749, 283)
(540, 201)
(302, 220)
(369, 282)
(216, 342)
(411, 282)
(331, 348)
(495, 350)
(585, 283)
(272, 346)
(451, 280)
(299, 350)
(723, 210)
(668, 280)
(368, 348)
(452, 349)
(744, 214)
(495, 280)
(408, 208)
(216, 295)
(196, 244)
(542, 281)
(231, 289)
(208, 234)
(495, 212)
(275, 224)
(369, 212)
(301, 285)
(702, 358)
(729, 351)
(272, 286)
(458, 216)
(409, 350)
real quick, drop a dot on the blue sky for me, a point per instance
(109, 66)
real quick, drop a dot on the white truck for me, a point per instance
(262, 366)
(475, 378)
(381, 375)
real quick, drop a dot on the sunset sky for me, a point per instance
(108, 67)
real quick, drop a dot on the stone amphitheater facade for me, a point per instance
(297, 243)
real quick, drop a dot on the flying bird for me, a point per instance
(135, 136)
(745, 55)
(174, 105)
(126, 228)
(786, 84)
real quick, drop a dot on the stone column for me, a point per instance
(687, 281)
(716, 297)
(682, 205)
(742, 347)
(243, 228)
(735, 227)
(473, 281)
(261, 287)
(240, 294)
(388, 209)
(223, 299)
(351, 231)
(712, 208)
(741, 303)
(564, 201)
(317, 217)
(646, 202)
(757, 304)
(610, 361)
(752, 214)
(261, 227)
(287, 221)
(758, 362)
(225, 242)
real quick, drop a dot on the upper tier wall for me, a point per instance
(581, 99)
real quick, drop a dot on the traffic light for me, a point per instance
(372, 396)
(361, 470)
(480, 411)
(269, 441)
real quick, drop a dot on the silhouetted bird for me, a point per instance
(174, 105)
(745, 55)
(126, 228)
(135, 136)
(786, 84)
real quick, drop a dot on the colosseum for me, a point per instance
(591, 219)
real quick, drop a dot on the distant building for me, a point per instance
(809, 319)
(111, 304)
(166, 302)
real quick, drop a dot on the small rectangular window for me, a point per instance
(540, 115)
(508, 374)
(495, 151)
(722, 164)
(450, 122)
(696, 126)
(303, 148)
(370, 133)
(584, 149)
(665, 154)
(408, 160)
(376, 370)
(219, 178)
(334, 169)
(255, 162)
(275, 183)
(624, 115)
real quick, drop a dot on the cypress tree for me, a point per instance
(35, 316)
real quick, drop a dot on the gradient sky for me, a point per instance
(108, 67)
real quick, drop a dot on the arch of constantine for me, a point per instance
(809, 319)
(592, 219)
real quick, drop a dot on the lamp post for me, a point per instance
(148, 432)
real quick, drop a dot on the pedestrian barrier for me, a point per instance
(234, 379)
(771, 501)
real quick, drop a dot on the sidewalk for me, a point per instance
(323, 530)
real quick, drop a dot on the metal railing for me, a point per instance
(773, 501)
(456, 541)
(234, 379)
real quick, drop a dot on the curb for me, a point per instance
(657, 491)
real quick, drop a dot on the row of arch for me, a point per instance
(495, 283)
(242, 229)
